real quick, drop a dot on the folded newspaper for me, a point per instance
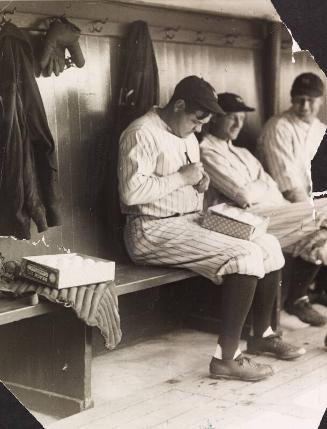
(235, 222)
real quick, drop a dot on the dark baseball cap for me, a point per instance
(307, 84)
(196, 90)
(233, 103)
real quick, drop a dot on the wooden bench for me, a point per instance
(132, 278)
(46, 350)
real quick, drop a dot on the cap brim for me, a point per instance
(248, 109)
(213, 107)
(309, 92)
(239, 108)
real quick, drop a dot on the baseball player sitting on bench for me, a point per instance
(238, 178)
(288, 143)
(161, 185)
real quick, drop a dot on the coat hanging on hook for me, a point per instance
(139, 89)
(28, 166)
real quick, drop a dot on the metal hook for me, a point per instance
(170, 32)
(69, 63)
(97, 26)
(200, 37)
(4, 19)
(230, 39)
(52, 19)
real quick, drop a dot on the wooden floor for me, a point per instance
(163, 383)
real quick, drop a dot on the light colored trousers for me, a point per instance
(301, 228)
(182, 242)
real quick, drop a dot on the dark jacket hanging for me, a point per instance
(139, 87)
(28, 166)
(139, 91)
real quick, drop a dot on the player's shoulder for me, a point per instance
(210, 143)
(279, 123)
(281, 119)
(145, 125)
(206, 143)
(321, 125)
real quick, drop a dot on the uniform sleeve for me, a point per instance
(265, 177)
(276, 148)
(138, 183)
(272, 193)
(242, 191)
(223, 177)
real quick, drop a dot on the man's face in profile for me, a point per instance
(186, 123)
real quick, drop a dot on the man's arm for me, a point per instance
(138, 182)
(296, 195)
(229, 182)
(277, 147)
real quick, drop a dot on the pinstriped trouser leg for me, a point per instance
(182, 242)
(300, 230)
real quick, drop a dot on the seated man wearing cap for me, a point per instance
(289, 141)
(238, 178)
(161, 185)
(288, 144)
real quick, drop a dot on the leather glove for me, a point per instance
(62, 34)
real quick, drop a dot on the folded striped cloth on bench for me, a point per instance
(96, 305)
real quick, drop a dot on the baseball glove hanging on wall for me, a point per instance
(62, 35)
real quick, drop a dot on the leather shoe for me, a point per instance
(273, 344)
(318, 297)
(305, 312)
(241, 368)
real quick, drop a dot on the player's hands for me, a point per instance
(203, 185)
(192, 173)
(296, 195)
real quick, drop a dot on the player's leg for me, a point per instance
(297, 303)
(184, 243)
(264, 340)
(228, 361)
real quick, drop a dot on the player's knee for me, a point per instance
(254, 251)
(274, 258)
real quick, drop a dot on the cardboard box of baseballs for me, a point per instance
(235, 222)
(67, 270)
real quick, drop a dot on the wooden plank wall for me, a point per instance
(236, 70)
(80, 106)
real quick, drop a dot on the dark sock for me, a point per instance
(237, 296)
(264, 300)
(303, 274)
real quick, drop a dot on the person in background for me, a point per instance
(289, 141)
(287, 145)
(161, 186)
(238, 178)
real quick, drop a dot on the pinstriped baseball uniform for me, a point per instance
(236, 175)
(152, 193)
(286, 147)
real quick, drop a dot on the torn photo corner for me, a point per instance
(13, 414)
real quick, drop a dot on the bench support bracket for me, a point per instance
(46, 362)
